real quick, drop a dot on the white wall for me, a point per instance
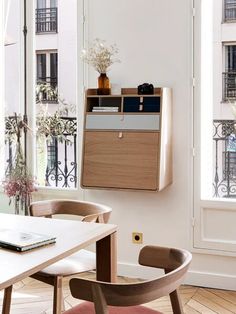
(153, 38)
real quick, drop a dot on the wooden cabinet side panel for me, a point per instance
(166, 162)
(123, 160)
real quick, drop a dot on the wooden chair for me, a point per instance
(78, 262)
(125, 298)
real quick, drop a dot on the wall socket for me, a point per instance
(137, 237)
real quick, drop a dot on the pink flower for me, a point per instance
(19, 186)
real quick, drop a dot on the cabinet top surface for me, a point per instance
(127, 92)
(122, 95)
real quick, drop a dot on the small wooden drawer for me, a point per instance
(142, 104)
(123, 122)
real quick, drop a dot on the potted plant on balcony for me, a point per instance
(50, 126)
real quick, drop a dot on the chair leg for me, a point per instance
(57, 295)
(100, 304)
(7, 300)
(176, 302)
(62, 302)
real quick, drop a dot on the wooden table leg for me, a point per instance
(106, 252)
(7, 300)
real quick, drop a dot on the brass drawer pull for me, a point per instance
(141, 104)
(120, 134)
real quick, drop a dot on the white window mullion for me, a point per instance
(206, 97)
(31, 74)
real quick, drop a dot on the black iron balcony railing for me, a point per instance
(48, 89)
(229, 10)
(61, 168)
(224, 170)
(46, 20)
(229, 85)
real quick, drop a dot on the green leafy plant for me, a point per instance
(19, 184)
(51, 125)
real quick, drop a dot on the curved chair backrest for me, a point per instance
(175, 262)
(91, 212)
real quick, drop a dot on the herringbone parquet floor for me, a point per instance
(33, 297)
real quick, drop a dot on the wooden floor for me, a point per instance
(33, 297)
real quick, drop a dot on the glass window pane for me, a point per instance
(41, 67)
(56, 153)
(231, 58)
(55, 162)
(53, 66)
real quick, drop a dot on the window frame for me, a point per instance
(205, 208)
(48, 64)
(82, 7)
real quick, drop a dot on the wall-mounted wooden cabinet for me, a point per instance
(127, 140)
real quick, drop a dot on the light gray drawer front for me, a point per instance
(126, 122)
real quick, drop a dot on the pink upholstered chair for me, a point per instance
(125, 298)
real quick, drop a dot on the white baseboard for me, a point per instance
(211, 280)
(195, 278)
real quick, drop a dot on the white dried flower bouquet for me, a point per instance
(100, 56)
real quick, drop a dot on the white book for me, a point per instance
(101, 108)
(23, 241)
(105, 110)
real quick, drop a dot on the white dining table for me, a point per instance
(71, 236)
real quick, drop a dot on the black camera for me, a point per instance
(145, 89)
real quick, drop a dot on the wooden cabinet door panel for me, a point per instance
(125, 160)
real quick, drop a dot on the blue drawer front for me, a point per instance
(149, 104)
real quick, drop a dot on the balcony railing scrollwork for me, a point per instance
(46, 20)
(229, 10)
(61, 169)
(61, 154)
(224, 153)
(229, 85)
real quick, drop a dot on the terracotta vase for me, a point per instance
(103, 85)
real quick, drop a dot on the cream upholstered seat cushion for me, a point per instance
(88, 308)
(78, 262)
